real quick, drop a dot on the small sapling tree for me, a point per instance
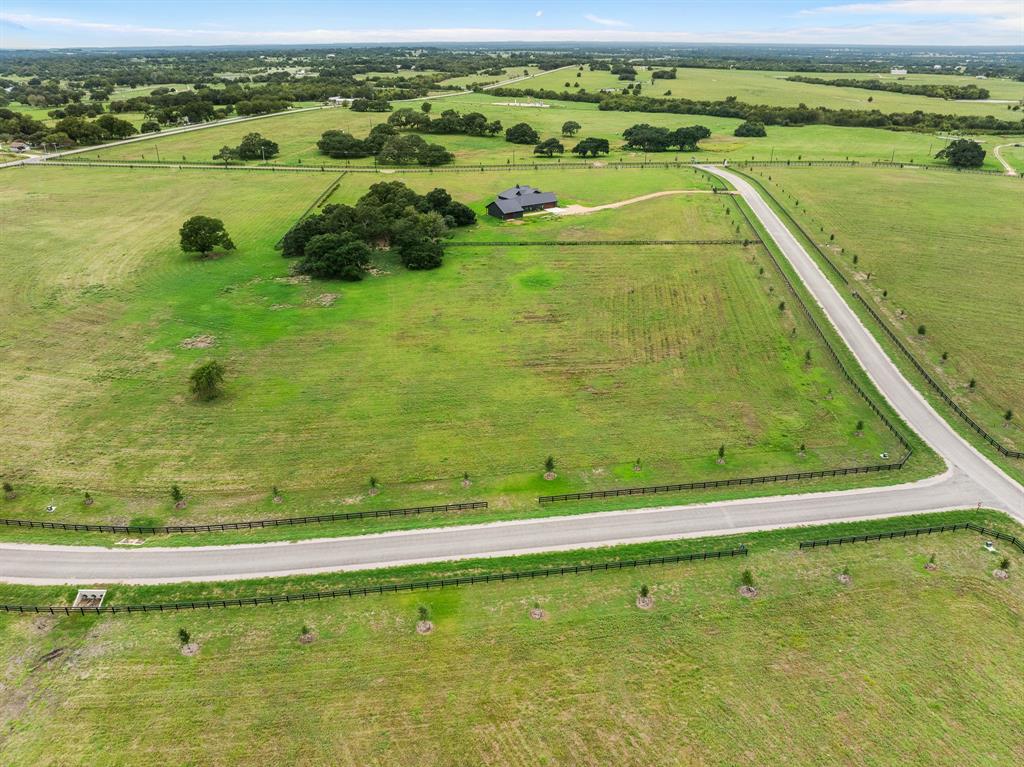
(205, 381)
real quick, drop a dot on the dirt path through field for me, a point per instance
(1009, 168)
(576, 210)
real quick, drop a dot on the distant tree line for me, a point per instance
(781, 115)
(338, 243)
(944, 91)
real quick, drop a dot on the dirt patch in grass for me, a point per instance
(199, 342)
(190, 649)
(748, 591)
(645, 603)
(424, 627)
(1000, 575)
(537, 614)
(294, 279)
(307, 638)
(844, 579)
(325, 299)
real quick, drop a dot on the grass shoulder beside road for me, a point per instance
(822, 661)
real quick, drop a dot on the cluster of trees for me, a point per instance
(962, 153)
(522, 133)
(654, 139)
(337, 243)
(386, 144)
(940, 91)
(449, 122)
(664, 74)
(252, 147)
(750, 129)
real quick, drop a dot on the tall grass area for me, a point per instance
(903, 666)
(505, 355)
(943, 251)
(297, 135)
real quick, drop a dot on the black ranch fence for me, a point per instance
(249, 525)
(713, 483)
(796, 224)
(913, 533)
(935, 384)
(324, 167)
(389, 588)
(770, 478)
(834, 354)
(550, 243)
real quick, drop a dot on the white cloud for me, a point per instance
(977, 8)
(538, 14)
(604, 22)
(927, 31)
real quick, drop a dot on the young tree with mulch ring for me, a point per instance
(549, 468)
(931, 565)
(178, 497)
(9, 492)
(844, 577)
(747, 588)
(306, 636)
(1003, 571)
(644, 600)
(424, 625)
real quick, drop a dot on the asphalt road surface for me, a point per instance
(969, 480)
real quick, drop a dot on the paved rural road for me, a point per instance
(970, 479)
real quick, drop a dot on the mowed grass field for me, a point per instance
(901, 667)
(947, 247)
(597, 356)
(772, 88)
(297, 134)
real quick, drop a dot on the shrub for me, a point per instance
(750, 129)
(176, 494)
(549, 463)
(423, 612)
(184, 637)
(747, 578)
(644, 591)
(1004, 563)
(205, 381)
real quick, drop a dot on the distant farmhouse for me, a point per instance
(897, 71)
(512, 203)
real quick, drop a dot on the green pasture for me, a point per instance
(481, 79)
(902, 666)
(297, 134)
(945, 248)
(598, 356)
(772, 88)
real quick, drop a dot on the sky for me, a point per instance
(107, 23)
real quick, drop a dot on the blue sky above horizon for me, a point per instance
(107, 23)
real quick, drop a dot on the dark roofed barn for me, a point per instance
(514, 202)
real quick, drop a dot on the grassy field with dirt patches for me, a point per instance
(772, 88)
(902, 666)
(944, 251)
(297, 134)
(598, 356)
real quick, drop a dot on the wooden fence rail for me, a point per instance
(245, 525)
(915, 532)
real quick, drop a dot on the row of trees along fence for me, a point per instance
(1008, 452)
(769, 478)
(386, 588)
